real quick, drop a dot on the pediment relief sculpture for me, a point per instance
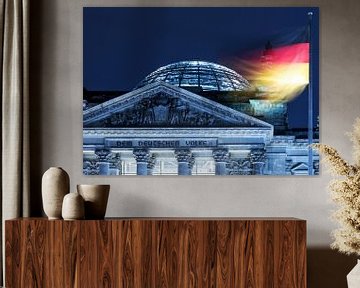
(159, 108)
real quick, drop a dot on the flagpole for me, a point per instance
(310, 99)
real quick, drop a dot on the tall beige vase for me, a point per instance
(55, 185)
(96, 198)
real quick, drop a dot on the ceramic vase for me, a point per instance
(55, 185)
(353, 278)
(73, 207)
(96, 198)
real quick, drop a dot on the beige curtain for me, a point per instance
(14, 30)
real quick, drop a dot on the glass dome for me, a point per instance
(198, 75)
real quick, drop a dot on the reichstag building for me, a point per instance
(191, 118)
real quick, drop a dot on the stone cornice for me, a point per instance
(265, 133)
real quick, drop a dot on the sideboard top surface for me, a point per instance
(175, 219)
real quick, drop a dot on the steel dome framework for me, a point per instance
(201, 75)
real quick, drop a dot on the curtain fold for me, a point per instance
(14, 51)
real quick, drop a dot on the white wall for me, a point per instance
(56, 92)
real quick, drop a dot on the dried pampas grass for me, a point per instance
(345, 192)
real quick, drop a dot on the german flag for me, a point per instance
(281, 73)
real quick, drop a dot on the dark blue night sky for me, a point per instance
(123, 45)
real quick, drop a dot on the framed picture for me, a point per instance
(200, 91)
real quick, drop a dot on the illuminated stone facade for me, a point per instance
(199, 121)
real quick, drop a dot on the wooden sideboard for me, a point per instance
(156, 252)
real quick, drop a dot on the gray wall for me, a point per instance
(56, 123)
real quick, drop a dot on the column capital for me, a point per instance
(183, 155)
(90, 167)
(257, 159)
(240, 167)
(103, 154)
(221, 155)
(141, 155)
(257, 155)
(115, 161)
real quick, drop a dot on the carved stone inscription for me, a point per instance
(161, 143)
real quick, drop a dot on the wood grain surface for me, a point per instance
(241, 253)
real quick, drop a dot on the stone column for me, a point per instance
(103, 161)
(142, 157)
(183, 157)
(316, 167)
(151, 165)
(191, 164)
(288, 165)
(115, 164)
(221, 157)
(257, 158)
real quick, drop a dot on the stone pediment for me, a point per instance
(163, 105)
(300, 169)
